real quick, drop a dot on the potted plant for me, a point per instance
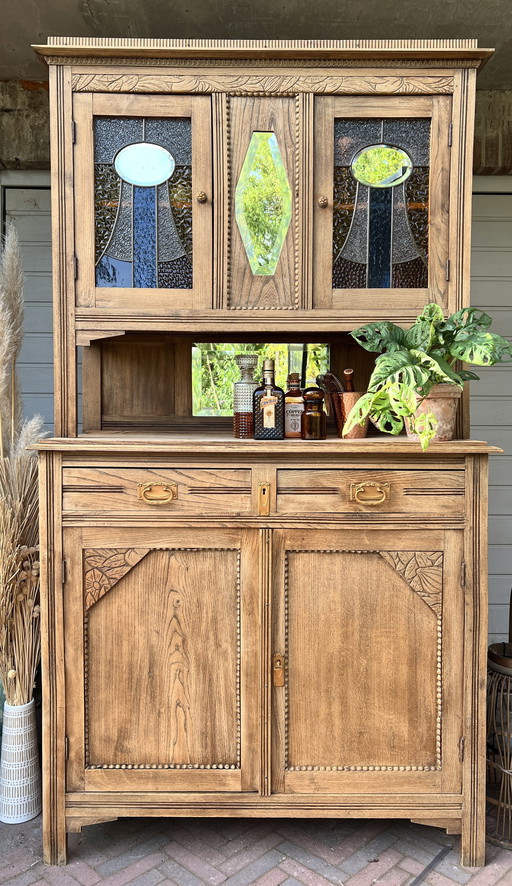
(418, 366)
(20, 789)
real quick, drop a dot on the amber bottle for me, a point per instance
(314, 420)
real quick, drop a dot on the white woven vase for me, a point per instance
(20, 774)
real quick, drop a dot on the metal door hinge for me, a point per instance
(450, 135)
(75, 267)
(447, 269)
(73, 132)
(463, 574)
(264, 499)
(66, 748)
(461, 749)
(278, 669)
(64, 572)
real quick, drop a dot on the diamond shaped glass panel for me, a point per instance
(263, 203)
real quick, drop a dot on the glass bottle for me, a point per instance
(293, 407)
(314, 420)
(268, 401)
(243, 423)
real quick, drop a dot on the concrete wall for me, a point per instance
(24, 125)
(24, 128)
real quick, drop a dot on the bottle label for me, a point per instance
(292, 418)
(268, 405)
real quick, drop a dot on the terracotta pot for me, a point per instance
(442, 402)
(343, 403)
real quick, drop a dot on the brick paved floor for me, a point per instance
(239, 852)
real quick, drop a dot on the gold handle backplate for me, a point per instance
(157, 493)
(278, 669)
(369, 492)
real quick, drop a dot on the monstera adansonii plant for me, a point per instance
(413, 360)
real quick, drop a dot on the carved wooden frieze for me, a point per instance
(423, 572)
(104, 567)
(262, 84)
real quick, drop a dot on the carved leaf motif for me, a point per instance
(104, 567)
(423, 572)
(265, 83)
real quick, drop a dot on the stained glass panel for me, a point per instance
(381, 240)
(143, 203)
(263, 203)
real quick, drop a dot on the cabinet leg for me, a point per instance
(472, 850)
(55, 843)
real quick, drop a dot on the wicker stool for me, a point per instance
(499, 742)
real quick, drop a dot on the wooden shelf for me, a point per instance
(199, 442)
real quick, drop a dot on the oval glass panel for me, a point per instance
(381, 166)
(144, 164)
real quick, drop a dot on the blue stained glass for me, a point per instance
(159, 240)
(379, 238)
(144, 234)
(113, 272)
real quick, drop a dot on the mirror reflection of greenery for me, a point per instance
(381, 164)
(214, 370)
(263, 199)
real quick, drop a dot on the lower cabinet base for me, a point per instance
(446, 813)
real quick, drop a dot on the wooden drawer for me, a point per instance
(432, 493)
(194, 491)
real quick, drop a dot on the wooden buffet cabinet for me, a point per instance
(239, 627)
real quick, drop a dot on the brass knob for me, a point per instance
(323, 202)
(157, 493)
(202, 197)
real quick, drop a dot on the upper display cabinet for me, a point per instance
(212, 182)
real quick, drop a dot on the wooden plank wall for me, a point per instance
(491, 397)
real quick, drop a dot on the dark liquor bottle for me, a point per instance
(314, 421)
(293, 407)
(268, 403)
(348, 380)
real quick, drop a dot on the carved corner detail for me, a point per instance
(103, 568)
(422, 571)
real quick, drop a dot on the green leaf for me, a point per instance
(481, 348)
(359, 413)
(470, 319)
(436, 373)
(425, 426)
(421, 335)
(432, 313)
(383, 336)
(467, 375)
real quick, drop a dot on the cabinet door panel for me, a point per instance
(365, 629)
(168, 677)
(144, 236)
(383, 233)
(261, 258)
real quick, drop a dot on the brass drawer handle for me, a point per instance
(323, 202)
(202, 197)
(157, 493)
(357, 491)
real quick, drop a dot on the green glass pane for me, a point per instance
(263, 203)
